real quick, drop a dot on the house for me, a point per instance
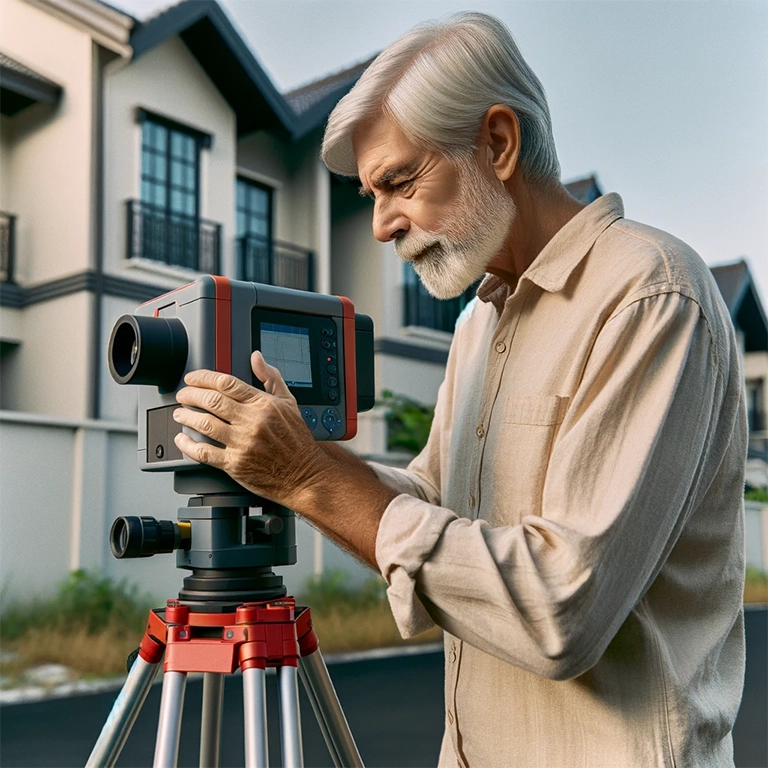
(135, 156)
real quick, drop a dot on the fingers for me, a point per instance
(202, 452)
(204, 423)
(269, 376)
(232, 387)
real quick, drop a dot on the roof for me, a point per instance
(20, 87)
(225, 56)
(319, 97)
(585, 190)
(740, 294)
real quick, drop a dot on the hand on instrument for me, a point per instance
(265, 445)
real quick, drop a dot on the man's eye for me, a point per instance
(403, 186)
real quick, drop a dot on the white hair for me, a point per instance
(436, 82)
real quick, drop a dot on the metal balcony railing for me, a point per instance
(173, 238)
(272, 262)
(7, 246)
(421, 309)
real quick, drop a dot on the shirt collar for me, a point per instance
(551, 269)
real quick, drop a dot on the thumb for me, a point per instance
(269, 376)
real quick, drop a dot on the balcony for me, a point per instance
(7, 246)
(272, 262)
(173, 238)
(421, 310)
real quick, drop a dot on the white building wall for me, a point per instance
(47, 164)
(168, 81)
(65, 481)
(48, 373)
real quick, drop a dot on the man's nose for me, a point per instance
(388, 223)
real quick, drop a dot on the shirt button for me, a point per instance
(450, 717)
(471, 501)
(500, 346)
(452, 653)
(480, 431)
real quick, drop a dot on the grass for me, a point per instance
(94, 623)
(91, 626)
(347, 619)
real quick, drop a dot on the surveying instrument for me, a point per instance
(233, 611)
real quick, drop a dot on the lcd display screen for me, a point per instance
(287, 348)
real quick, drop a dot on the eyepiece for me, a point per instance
(143, 537)
(148, 350)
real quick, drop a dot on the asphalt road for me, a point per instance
(394, 707)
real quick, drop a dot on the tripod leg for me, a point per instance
(123, 715)
(290, 723)
(169, 723)
(213, 698)
(255, 713)
(328, 711)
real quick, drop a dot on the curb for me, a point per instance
(80, 687)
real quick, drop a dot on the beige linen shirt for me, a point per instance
(575, 522)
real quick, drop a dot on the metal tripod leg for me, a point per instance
(210, 736)
(328, 711)
(169, 723)
(123, 715)
(255, 714)
(290, 722)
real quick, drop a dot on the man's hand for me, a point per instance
(265, 445)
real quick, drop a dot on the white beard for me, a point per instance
(459, 253)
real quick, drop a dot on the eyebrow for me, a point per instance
(387, 177)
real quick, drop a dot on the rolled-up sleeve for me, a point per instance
(630, 462)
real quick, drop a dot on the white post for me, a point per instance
(89, 498)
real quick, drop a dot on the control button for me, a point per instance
(500, 346)
(326, 344)
(328, 331)
(310, 417)
(333, 394)
(480, 432)
(331, 420)
(332, 381)
(331, 368)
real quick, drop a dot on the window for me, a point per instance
(165, 224)
(254, 210)
(755, 405)
(261, 258)
(421, 309)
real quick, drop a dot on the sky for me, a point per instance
(666, 101)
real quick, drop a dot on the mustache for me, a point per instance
(416, 247)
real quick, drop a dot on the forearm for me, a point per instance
(346, 501)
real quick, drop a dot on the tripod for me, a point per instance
(229, 615)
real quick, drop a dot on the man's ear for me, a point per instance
(500, 132)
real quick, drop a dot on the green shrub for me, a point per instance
(84, 600)
(756, 494)
(408, 422)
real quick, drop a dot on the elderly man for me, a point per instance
(575, 522)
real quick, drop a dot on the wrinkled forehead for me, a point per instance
(380, 143)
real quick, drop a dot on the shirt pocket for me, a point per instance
(529, 425)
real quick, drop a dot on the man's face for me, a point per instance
(447, 218)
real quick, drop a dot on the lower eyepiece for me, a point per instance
(144, 537)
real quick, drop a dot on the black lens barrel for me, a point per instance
(142, 537)
(148, 350)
